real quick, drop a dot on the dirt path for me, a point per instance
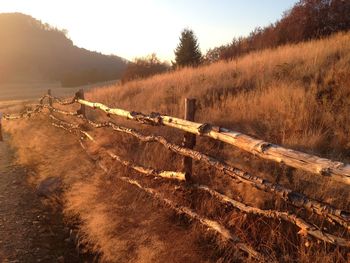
(28, 232)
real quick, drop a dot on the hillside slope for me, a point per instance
(296, 95)
(31, 50)
(306, 20)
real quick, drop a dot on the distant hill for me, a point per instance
(32, 51)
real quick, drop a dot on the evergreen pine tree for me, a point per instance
(187, 52)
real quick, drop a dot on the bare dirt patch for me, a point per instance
(29, 232)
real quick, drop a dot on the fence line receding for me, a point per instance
(337, 171)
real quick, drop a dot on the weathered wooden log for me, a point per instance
(38, 109)
(311, 204)
(307, 162)
(65, 123)
(26, 114)
(213, 225)
(332, 214)
(148, 171)
(305, 227)
(210, 224)
(139, 168)
(68, 101)
(297, 199)
(68, 113)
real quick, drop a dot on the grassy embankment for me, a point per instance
(297, 96)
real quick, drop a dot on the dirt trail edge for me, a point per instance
(28, 231)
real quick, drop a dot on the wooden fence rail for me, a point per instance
(139, 168)
(320, 166)
(297, 199)
(305, 227)
(338, 171)
(307, 162)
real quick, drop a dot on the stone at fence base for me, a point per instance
(49, 187)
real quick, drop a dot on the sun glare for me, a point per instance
(136, 28)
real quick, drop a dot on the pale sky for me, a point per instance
(134, 28)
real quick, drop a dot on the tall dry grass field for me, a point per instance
(297, 96)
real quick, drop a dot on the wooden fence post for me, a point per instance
(80, 95)
(1, 139)
(189, 138)
(50, 99)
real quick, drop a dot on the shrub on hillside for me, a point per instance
(144, 67)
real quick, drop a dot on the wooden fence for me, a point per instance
(313, 164)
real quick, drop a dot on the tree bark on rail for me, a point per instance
(139, 168)
(210, 224)
(297, 199)
(310, 163)
(25, 114)
(305, 227)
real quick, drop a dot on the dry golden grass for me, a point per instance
(297, 96)
(283, 95)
